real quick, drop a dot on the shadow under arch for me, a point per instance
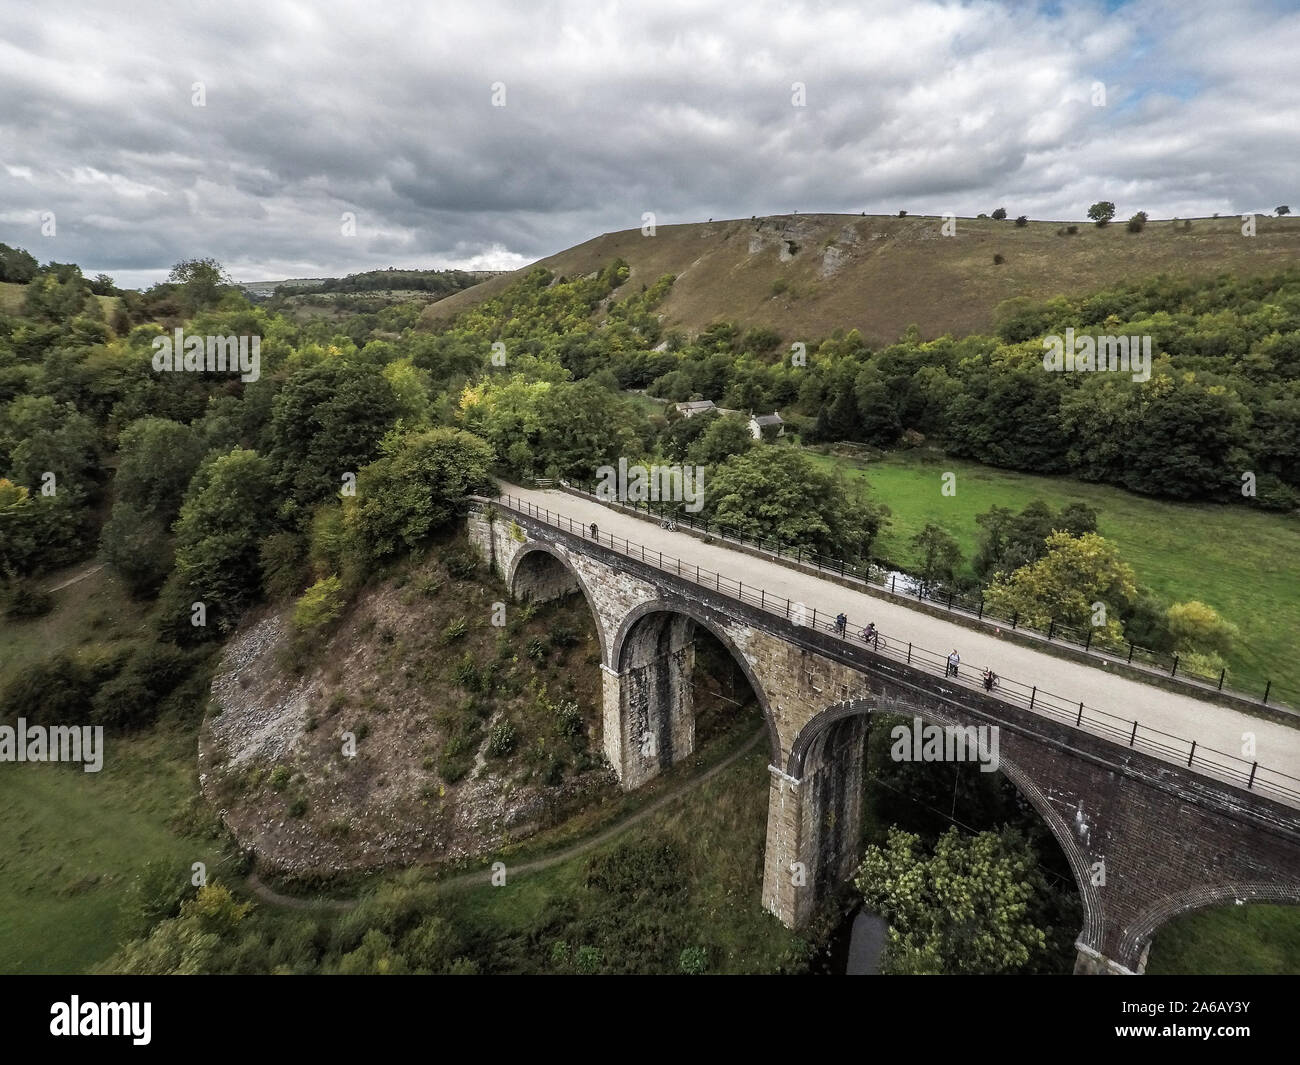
(1135, 938)
(1090, 897)
(692, 611)
(533, 548)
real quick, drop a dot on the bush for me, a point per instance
(462, 564)
(455, 630)
(281, 775)
(570, 718)
(1000, 214)
(536, 650)
(57, 690)
(694, 960)
(155, 895)
(27, 601)
(1022, 221)
(467, 673)
(998, 260)
(1137, 222)
(131, 699)
(501, 741)
(1196, 627)
(319, 605)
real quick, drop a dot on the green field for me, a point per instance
(71, 842)
(1235, 940)
(1243, 562)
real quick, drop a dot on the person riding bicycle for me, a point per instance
(869, 633)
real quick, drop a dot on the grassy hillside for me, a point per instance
(805, 275)
(1229, 557)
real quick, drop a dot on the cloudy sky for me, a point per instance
(386, 112)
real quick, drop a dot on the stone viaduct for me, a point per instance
(1146, 839)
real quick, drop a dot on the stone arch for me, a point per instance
(690, 610)
(522, 574)
(1136, 938)
(805, 745)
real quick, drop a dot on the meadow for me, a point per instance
(1241, 561)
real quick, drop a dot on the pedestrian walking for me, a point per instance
(595, 533)
(954, 660)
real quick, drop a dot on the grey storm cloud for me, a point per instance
(685, 109)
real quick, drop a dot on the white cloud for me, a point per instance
(682, 107)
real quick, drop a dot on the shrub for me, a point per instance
(28, 601)
(563, 636)
(501, 741)
(1000, 214)
(1137, 222)
(1196, 627)
(280, 777)
(467, 674)
(693, 961)
(155, 894)
(455, 630)
(319, 605)
(1072, 230)
(54, 690)
(536, 649)
(1022, 221)
(570, 718)
(998, 260)
(298, 807)
(462, 564)
(131, 699)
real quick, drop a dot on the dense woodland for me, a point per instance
(198, 487)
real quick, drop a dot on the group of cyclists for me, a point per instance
(867, 634)
(870, 634)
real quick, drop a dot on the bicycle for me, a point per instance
(669, 524)
(877, 642)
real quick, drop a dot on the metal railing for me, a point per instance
(1132, 733)
(972, 606)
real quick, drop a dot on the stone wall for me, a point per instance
(1146, 839)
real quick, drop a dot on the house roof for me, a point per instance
(768, 419)
(697, 404)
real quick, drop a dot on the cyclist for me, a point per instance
(869, 633)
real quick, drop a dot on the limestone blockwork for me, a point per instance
(1146, 839)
